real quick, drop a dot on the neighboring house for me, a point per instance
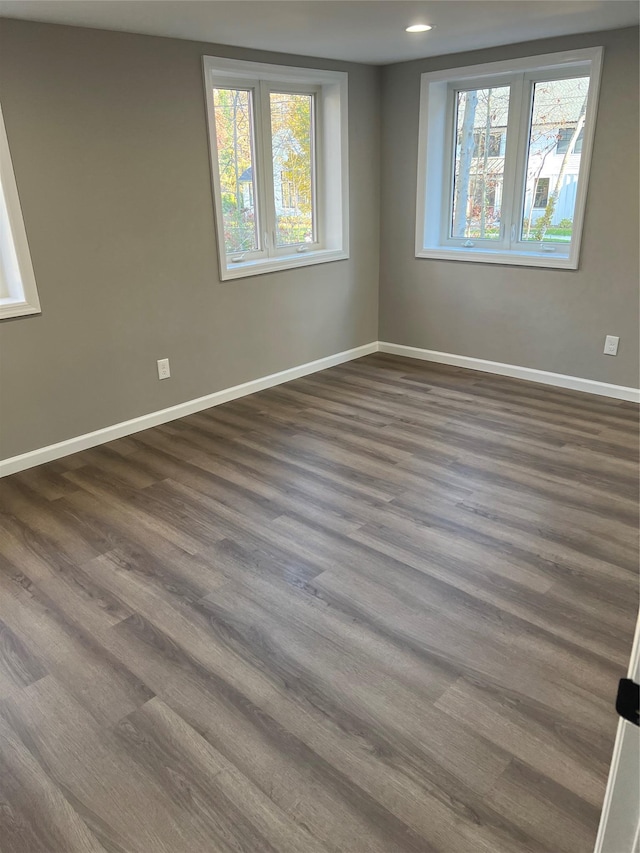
(246, 182)
(546, 162)
(288, 195)
(554, 152)
(545, 165)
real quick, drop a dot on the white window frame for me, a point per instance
(18, 291)
(331, 177)
(435, 158)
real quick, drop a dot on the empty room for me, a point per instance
(319, 426)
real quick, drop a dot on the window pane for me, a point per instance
(292, 147)
(553, 163)
(480, 144)
(234, 139)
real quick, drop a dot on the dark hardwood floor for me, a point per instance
(381, 608)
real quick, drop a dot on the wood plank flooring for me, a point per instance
(380, 609)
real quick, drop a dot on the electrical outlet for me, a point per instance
(611, 345)
(163, 368)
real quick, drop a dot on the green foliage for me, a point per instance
(239, 236)
(233, 140)
(560, 233)
(293, 229)
(542, 224)
(229, 203)
(291, 122)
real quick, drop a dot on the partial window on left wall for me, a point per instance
(18, 291)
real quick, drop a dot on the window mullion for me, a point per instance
(264, 153)
(515, 157)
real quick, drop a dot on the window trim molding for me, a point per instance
(22, 298)
(432, 171)
(332, 199)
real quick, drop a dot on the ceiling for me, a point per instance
(370, 31)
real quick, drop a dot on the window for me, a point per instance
(18, 293)
(541, 192)
(278, 142)
(504, 154)
(495, 146)
(565, 138)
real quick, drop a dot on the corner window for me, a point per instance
(504, 153)
(278, 143)
(18, 292)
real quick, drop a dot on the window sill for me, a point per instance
(282, 262)
(520, 259)
(14, 307)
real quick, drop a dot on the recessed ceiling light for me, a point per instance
(418, 28)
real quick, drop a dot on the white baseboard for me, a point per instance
(110, 433)
(560, 380)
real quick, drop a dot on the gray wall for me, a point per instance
(109, 144)
(547, 319)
